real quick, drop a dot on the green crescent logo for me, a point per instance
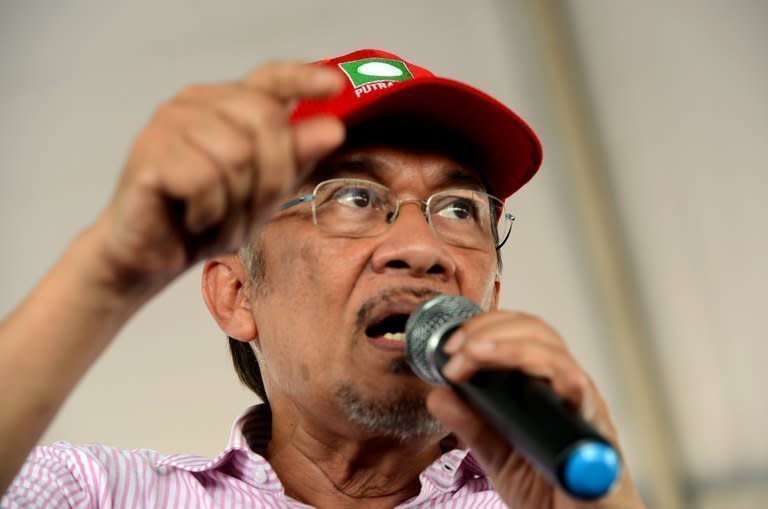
(371, 70)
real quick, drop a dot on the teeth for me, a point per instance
(397, 336)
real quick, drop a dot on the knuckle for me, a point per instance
(224, 139)
(540, 327)
(264, 73)
(267, 67)
(269, 114)
(271, 69)
(194, 91)
(242, 152)
(208, 179)
(146, 142)
(523, 357)
(199, 173)
(531, 319)
(577, 381)
(253, 109)
(146, 177)
(169, 111)
(543, 331)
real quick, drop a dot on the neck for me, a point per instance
(344, 467)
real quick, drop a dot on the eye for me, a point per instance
(457, 208)
(355, 196)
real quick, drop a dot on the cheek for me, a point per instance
(293, 289)
(290, 268)
(479, 279)
(308, 272)
(309, 283)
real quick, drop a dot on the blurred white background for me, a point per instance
(643, 239)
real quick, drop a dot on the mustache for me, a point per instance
(390, 295)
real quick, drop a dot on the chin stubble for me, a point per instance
(401, 416)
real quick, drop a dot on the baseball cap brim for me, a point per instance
(510, 150)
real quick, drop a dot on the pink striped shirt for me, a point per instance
(67, 476)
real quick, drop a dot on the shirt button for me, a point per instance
(259, 476)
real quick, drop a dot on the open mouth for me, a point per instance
(383, 316)
(390, 327)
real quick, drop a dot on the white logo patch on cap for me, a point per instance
(379, 69)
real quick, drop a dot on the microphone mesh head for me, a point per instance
(425, 326)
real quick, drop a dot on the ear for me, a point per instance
(225, 292)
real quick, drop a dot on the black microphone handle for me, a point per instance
(526, 412)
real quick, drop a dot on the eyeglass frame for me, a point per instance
(311, 198)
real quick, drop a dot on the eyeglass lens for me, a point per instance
(361, 208)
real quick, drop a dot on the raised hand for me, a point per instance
(208, 166)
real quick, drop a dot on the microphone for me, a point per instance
(563, 446)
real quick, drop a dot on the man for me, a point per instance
(343, 239)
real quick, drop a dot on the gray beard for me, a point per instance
(402, 417)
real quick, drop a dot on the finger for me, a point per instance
(231, 149)
(315, 138)
(251, 110)
(550, 362)
(508, 325)
(266, 167)
(269, 126)
(293, 155)
(286, 81)
(273, 162)
(259, 162)
(495, 328)
(530, 355)
(190, 176)
(233, 158)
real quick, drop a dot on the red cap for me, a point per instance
(381, 84)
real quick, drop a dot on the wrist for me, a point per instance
(103, 275)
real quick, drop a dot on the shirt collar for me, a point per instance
(252, 430)
(243, 456)
(251, 433)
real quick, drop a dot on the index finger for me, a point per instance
(287, 81)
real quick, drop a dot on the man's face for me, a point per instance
(325, 299)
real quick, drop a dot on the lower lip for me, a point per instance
(387, 344)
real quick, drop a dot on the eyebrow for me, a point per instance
(357, 165)
(362, 165)
(460, 178)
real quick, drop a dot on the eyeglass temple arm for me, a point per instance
(296, 201)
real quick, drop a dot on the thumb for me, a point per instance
(315, 138)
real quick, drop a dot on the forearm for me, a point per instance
(48, 343)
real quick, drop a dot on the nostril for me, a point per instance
(397, 264)
(437, 268)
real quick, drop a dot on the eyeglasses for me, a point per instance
(362, 208)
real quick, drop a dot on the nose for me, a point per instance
(411, 247)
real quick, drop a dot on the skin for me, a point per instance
(200, 180)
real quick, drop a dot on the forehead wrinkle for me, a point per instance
(354, 164)
(462, 179)
(382, 168)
